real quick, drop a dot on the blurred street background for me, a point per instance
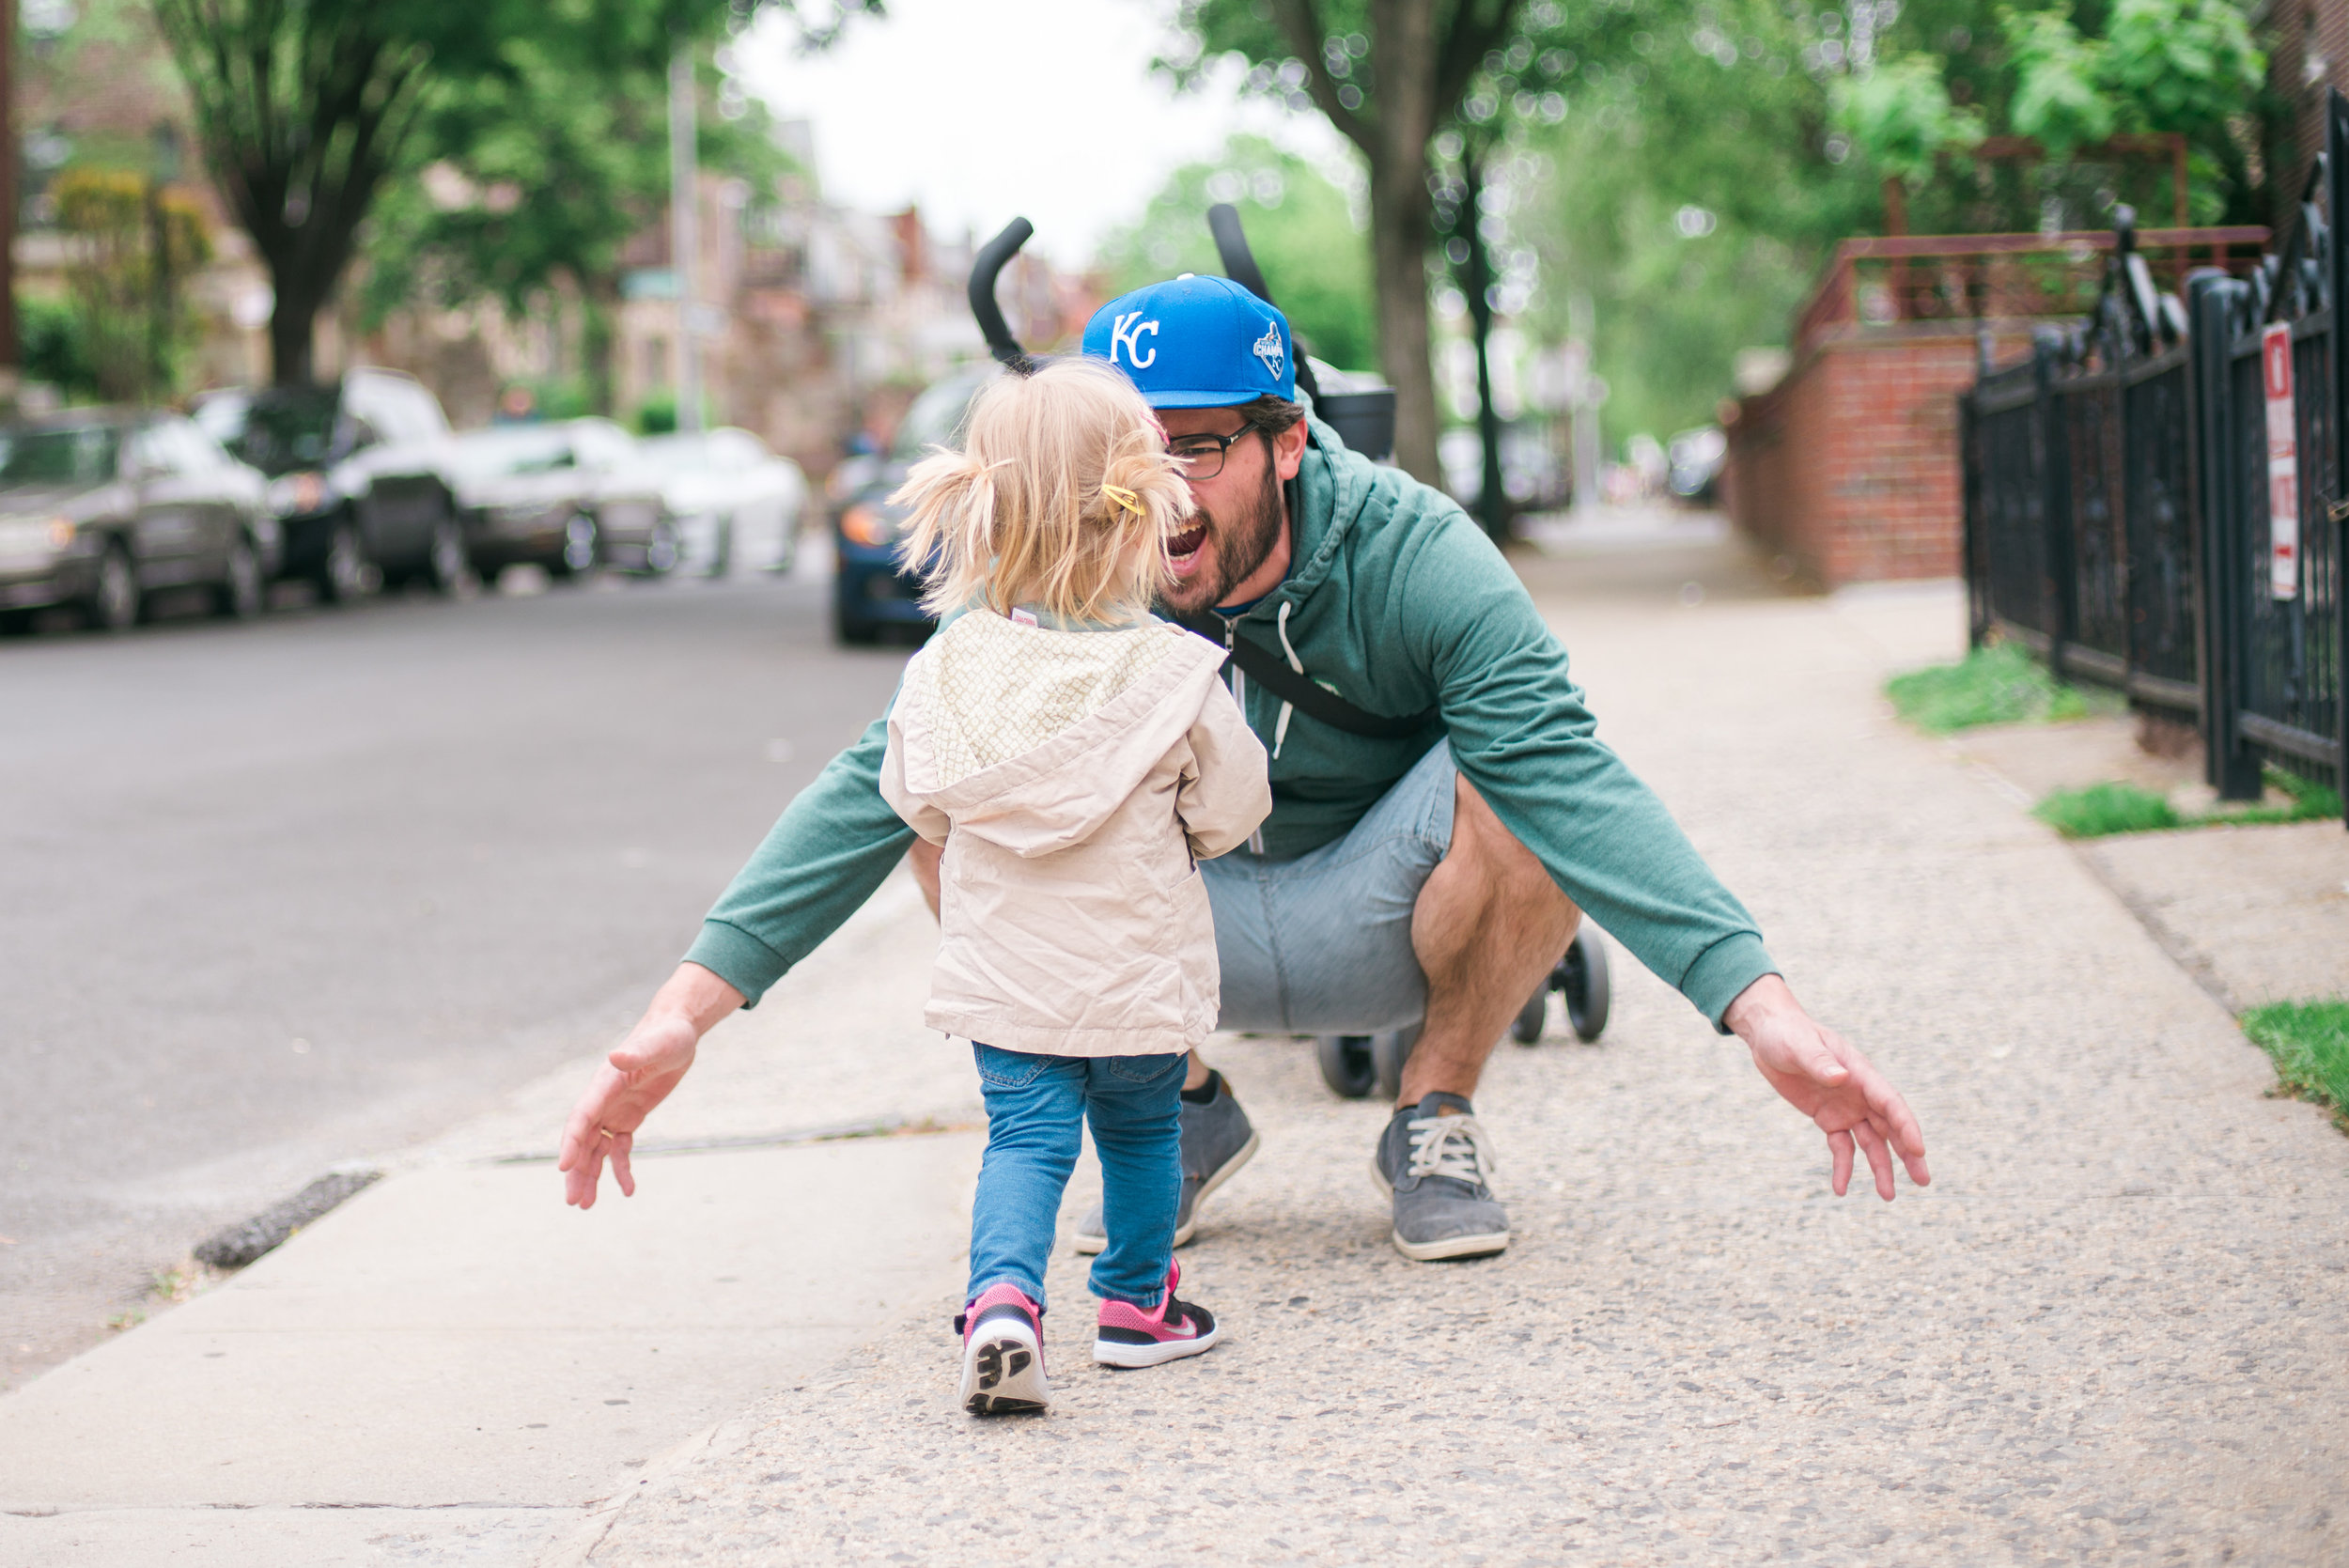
(445, 461)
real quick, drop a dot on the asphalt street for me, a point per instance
(282, 896)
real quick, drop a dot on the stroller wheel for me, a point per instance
(1582, 976)
(1388, 1052)
(1347, 1065)
(1526, 1027)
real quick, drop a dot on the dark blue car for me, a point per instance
(872, 591)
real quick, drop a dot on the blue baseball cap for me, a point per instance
(1196, 343)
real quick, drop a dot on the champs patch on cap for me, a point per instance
(1196, 342)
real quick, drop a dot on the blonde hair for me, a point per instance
(1061, 497)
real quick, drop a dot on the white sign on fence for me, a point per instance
(2283, 464)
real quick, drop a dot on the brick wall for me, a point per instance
(1849, 467)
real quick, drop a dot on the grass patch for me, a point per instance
(2310, 1042)
(1998, 685)
(2104, 808)
(2310, 803)
(2109, 808)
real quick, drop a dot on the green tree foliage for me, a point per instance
(1300, 227)
(305, 107)
(129, 247)
(531, 178)
(54, 347)
(1900, 113)
(2068, 77)
(1388, 74)
(1690, 191)
(1713, 153)
(2057, 98)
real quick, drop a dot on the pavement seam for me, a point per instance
(2173, 943)
(579, 1545)
(894, 1127)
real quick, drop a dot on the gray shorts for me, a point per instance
(1322, 944)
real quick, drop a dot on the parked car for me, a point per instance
(566, 496)
(101, 507)
(871, 590)
(733, 500)
(359, 477)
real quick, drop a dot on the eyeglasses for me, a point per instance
(1201, 456)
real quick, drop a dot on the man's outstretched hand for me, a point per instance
(1822, 1075)
(636, 1077)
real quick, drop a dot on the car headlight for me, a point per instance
(867, 525)
(34, 537)
(293, 494)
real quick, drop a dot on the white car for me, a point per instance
(737, 504)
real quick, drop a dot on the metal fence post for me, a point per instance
(2230, 767)
(2337, 305)
(1970, 521)
(2056, 505)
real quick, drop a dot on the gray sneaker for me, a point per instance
(1436, 1167)
(1218, 1139)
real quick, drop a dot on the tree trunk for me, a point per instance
(292, 335)
(10, 358)
(599, 307)
(1492, 500)
(1402, 54)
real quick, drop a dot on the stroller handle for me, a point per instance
(1240, 265)
(992, 258)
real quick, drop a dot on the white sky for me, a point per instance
(981, 111)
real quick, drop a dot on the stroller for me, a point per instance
(1363, 413)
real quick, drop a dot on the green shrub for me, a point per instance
(2310, 1042)
(54, 347)
(1990, 686)
(657, 414)
(2106, 808)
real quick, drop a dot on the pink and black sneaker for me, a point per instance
(1128, 1336)
(1003, 1354)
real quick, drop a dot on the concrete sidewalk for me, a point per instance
(453, 1367)
(2257, 915)
(2114, 1329)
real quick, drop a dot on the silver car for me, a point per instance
(566, 496)
(737, 503)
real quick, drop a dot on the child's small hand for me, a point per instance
(635, 1079)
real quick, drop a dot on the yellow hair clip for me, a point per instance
(1124, 497)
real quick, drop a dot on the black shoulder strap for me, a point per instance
(1271, 672)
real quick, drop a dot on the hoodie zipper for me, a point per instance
(1239, 695)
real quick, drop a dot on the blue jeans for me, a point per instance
(1036, 1107)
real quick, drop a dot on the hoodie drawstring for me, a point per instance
(1281, 725)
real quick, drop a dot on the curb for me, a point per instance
(235, 1246)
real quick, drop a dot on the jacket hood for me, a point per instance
(1032, 737)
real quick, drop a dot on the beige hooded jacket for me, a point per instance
(1076, 779)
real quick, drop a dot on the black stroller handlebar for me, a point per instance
(985, 268)
(1230, 244)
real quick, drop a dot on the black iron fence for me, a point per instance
(2153, 499)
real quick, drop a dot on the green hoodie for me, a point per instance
(1399, 603)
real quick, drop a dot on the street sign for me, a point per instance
(2283, 464)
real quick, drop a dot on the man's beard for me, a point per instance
(1242, 543)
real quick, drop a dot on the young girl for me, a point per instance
(1077, 759)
